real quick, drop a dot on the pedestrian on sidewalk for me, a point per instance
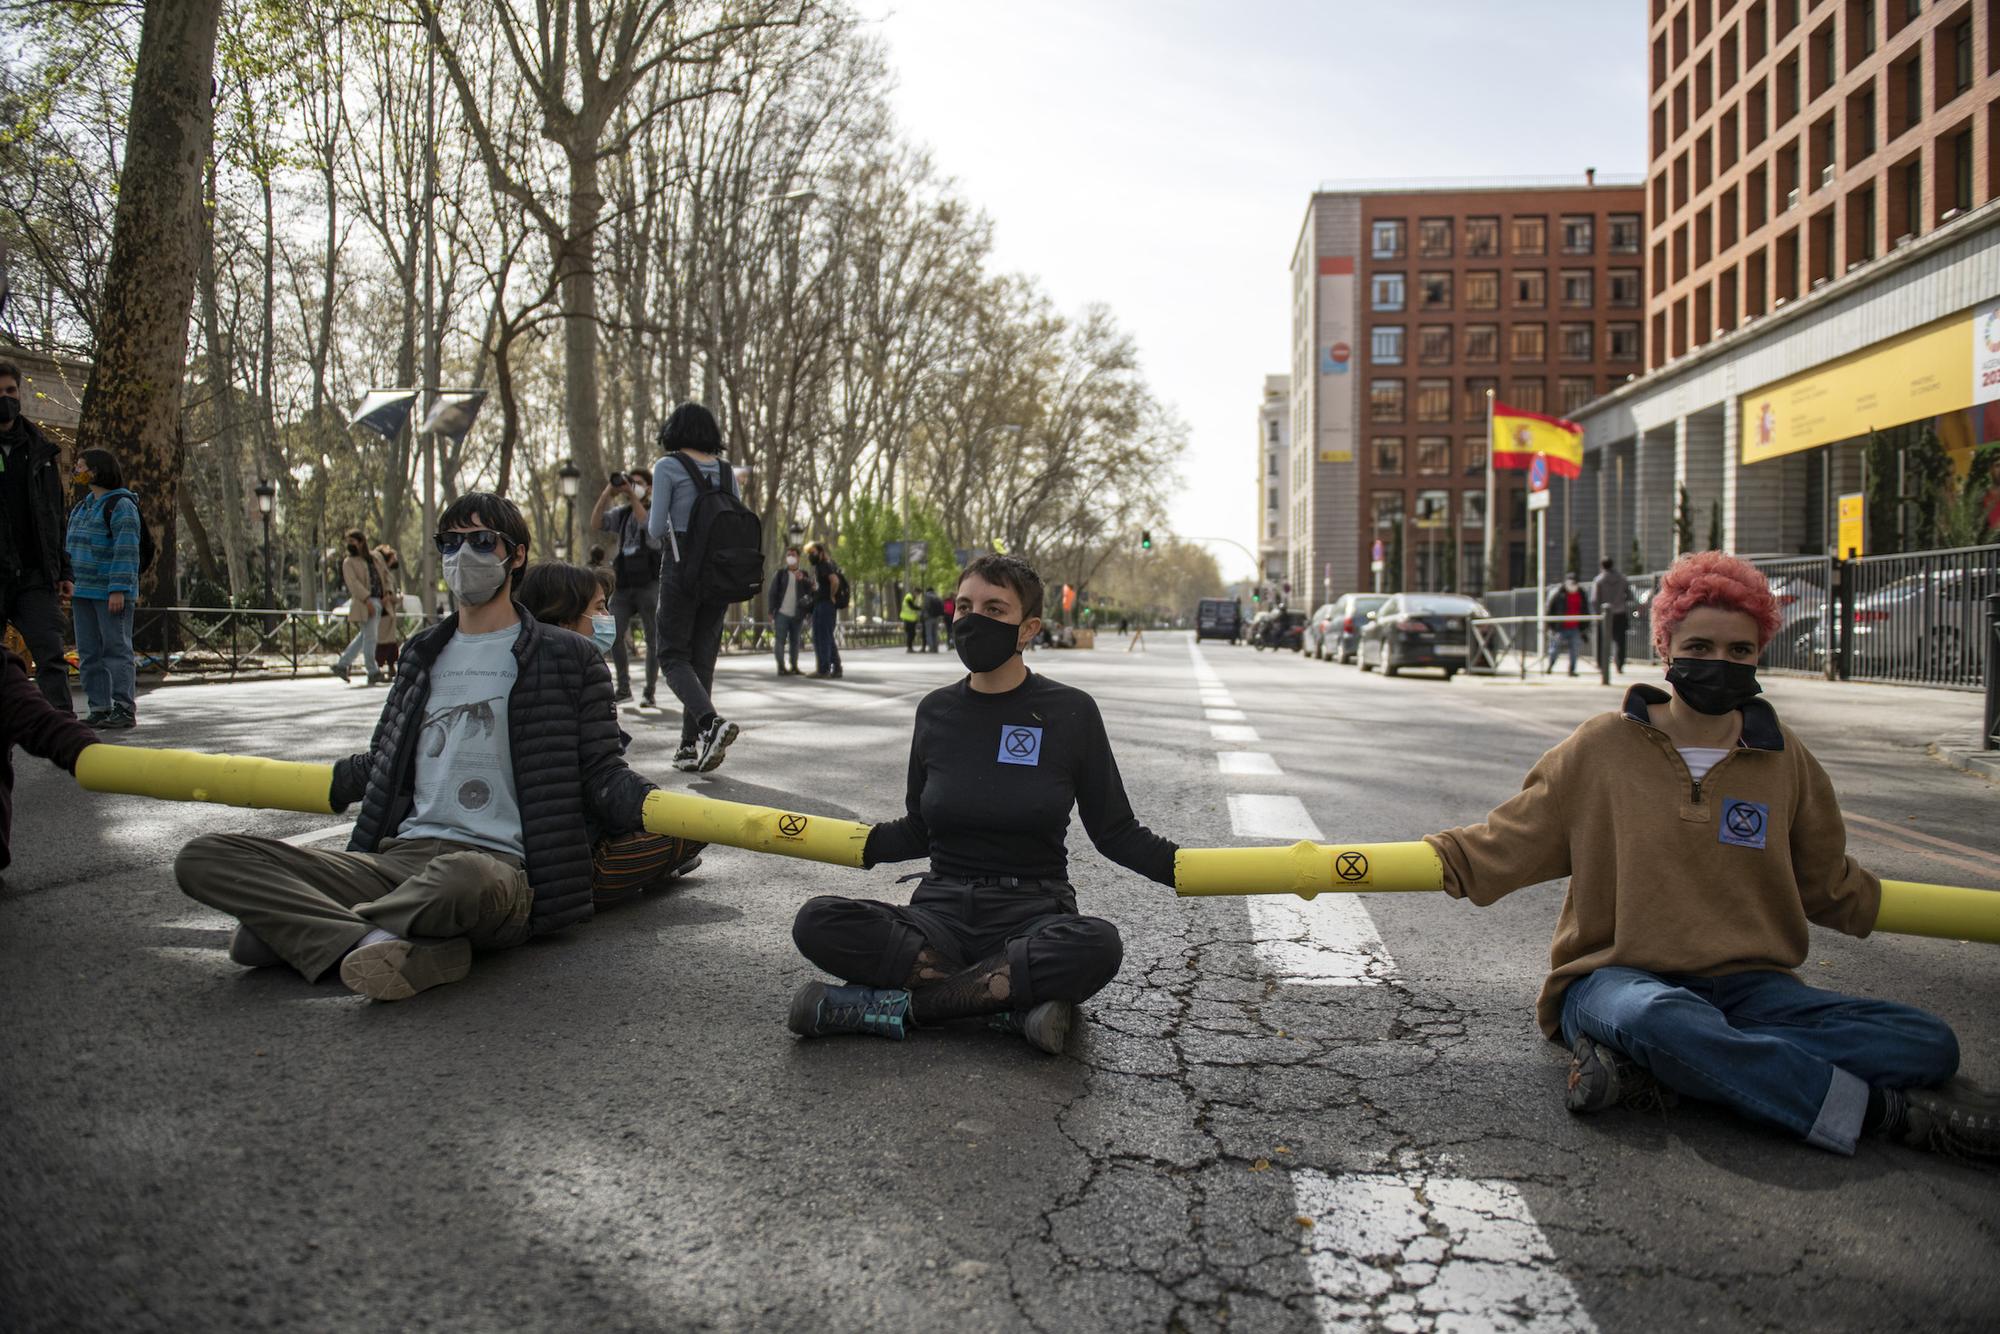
(361, 571)
(1700, 837)
(912, 611)
(1568, 607)
(933, 618)
(29, 721)
(997, 762)
(1611, 594)
(35, 576)
(103, 550)
(637, 567)
(577, 599)
(791, 601)
(389, 634)
(831, 595)
(495, 762)
(690, 626)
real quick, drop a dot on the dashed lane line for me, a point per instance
(1226, 715)
(1257, 816)
(1233, 732)
(1247, 764)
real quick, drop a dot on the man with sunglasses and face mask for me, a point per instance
(996, 764)
(498, 738)
(1701, 837)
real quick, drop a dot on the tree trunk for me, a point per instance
(132, 403)
(576, 260)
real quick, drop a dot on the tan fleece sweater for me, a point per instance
(1666, 874)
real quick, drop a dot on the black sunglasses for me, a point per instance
(481, 540)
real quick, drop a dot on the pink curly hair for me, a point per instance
(1712, 579)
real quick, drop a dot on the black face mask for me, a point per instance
(10, 408)
(1713, 685)
(984, 644)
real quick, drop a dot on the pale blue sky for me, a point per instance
(1157, 155)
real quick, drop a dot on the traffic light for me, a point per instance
(1145, 539)
(1256, 595)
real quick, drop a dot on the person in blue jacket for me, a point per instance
(103, 545)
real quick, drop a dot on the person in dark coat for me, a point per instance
(29, 721)
(497, 759)
(35, 573)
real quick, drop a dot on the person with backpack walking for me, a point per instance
(34, 560)
(831, 595)
(714, 557)
(1569, 608)
(103, 544)
(367, 590)
(791, 598)
(637, 566)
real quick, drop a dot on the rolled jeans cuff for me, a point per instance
(1839, 1122)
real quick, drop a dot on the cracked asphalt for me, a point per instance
(611, 1129)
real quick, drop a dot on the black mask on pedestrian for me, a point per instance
(1714, 685)
(984, 644)
(10, 408)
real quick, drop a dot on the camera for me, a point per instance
(619, 479)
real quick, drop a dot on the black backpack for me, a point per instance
(642, 566)
(146, 549)
(722, 557)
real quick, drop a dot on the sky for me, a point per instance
(1157, 156)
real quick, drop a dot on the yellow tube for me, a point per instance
(191, 775)
(1946, 911)
(1306, 869)
(758, 828)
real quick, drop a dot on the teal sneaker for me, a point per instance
(1045, 1026)
(819, 1010)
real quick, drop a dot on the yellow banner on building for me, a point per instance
(1920, 374)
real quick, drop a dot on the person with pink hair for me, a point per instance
(1700, 837)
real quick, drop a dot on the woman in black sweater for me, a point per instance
(997, 762)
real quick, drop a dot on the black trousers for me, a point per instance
(690, 641)
(1053, 952)
(1620, 623)
(642, 601)
(30, 605)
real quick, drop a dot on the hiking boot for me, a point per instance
(819, 1010)
(714, 744)
(646, 701)
(248, 948)
(1954, 1125)
(1046, 1025)
(398, 969)
(684, 758)
(1601, 1077)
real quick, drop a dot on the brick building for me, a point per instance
(1408, 305)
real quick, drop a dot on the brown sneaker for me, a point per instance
(391, 970)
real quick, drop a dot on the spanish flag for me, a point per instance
(1518, 436)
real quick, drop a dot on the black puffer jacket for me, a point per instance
(48, 504)
(562, 731)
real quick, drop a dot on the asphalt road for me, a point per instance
(1278, 1117)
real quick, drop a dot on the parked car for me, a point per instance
(1419, 630)
(1218, 618)
(1336, 627)
(1928, 626)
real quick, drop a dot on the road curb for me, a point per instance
(1979, 763)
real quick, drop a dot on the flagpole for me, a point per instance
(1489, 576)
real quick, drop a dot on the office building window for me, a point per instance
(1625, 287)
(1388, 507)
(1274, 432)
(1433, 511)
(1482, 291)
(1576, 342)
(1385, 239)
(1386, 345)
(1528, 342)
(1574, 392)
(1272, 470)
(1529, 395)
(1482, 342)
(1482, 237)
(1434, 238)
(1576, 287)
(1388, 455)
(1386, 291)
(1385, 401)
(1577, 234)
(1433, 456)
(1272, 500)
(1624, 233)
(1435, 289)
(1528, 236)
(1476, 390)
(1531, 289)
(1434, 344)
(1622, 342)
(1472, 504)
(1434, 400)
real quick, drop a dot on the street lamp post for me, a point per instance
(266, 496)
(571, 477)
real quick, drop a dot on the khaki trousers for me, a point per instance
(311, 906)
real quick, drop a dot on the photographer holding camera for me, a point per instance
(637, 567)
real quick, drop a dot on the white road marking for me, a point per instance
(1233, 732)
(1420, 1252)
(1256, 816)
(1246, 763)
(1226, 715)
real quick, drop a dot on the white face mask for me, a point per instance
(791, 562)
(638, 490)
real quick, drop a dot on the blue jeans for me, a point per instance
(789, 631)
(104, 653)
(1764, 1044)
(1558, 638)
(826, 653)
(363, 645)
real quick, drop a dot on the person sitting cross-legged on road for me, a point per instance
(496, 758)
(1701, 837)
(996, 763)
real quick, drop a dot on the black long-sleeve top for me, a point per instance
(992, 781)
